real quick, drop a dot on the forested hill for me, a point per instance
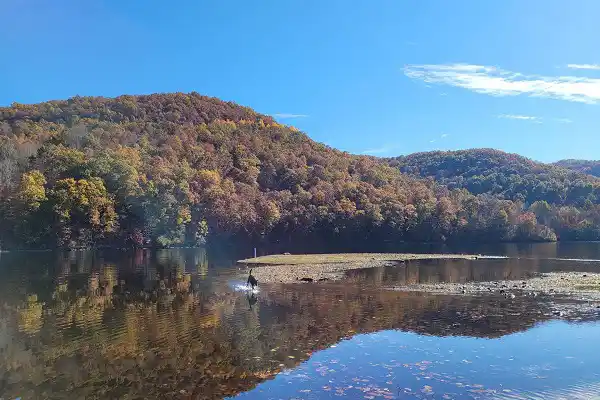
(175, 169)
(505, 175)
(584, 166)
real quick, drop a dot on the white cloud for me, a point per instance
(444, 135)
(498, 82)
(564, 120)
(512, 116)
(584, 66)
(377, 151)
(285, 115)
(521, 117)
(432, 141)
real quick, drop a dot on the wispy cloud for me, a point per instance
(377, 151)
(286, 115)
(563, 120)
(584, 66)
(521, 117)
(513, 116)
(442, 137)
(498, 82)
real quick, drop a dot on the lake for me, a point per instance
(174, 324)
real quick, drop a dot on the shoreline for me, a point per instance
(288, 268)
(583, 286)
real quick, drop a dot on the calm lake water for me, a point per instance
(173, 324)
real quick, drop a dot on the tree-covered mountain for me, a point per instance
(584, 166)
(174, 169)
(508, 176)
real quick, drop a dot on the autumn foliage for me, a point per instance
(176, 169)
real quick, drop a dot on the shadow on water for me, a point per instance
(168, 324)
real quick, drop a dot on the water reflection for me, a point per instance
(538, 364)
(168, 324)
(461, 271)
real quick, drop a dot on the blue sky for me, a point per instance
(377, 77)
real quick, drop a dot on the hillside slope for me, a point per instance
(174, 169)
(508, 176)
(584, 166)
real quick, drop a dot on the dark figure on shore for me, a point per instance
(251, 280)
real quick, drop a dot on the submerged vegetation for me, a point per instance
(176, 169)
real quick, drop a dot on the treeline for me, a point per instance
(176, 169)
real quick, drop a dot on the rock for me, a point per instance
(287, 254)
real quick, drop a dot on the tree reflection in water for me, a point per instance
(164, 326)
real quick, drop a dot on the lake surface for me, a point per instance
(174, 324)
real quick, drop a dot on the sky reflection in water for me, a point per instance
(552, 360)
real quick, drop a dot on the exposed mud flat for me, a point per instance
(573, 295)
(328, 267)
(583, 286)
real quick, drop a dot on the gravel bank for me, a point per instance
(574, 285)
